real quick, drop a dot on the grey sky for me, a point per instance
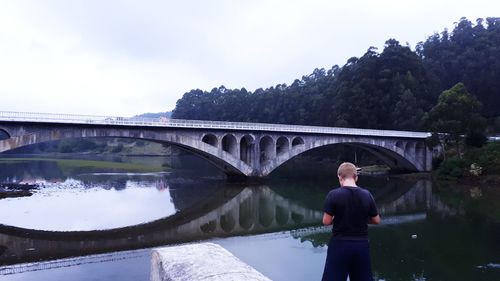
(129, 57)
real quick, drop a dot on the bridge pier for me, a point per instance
(239, 178)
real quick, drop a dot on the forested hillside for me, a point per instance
(387, 89)
(167, 114)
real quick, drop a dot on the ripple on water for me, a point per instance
(490, 265)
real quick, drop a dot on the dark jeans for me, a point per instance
(348, 257)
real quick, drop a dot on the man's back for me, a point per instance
(351, 207)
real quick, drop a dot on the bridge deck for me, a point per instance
(55, 118)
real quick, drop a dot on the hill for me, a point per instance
(391, 89)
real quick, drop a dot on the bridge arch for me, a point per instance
(420, 151)
(267, 149)
(409, 147)
(297, 141)
(247, 143)
(211, 139)
(246, 219)
(297, 218)
(391, 158)
(230, 144)
(387, 152)
(4, 135)
(399, 145)
(282, 215)
(209, 227)
(266, 211)
(227, 222)
(282, 145)
(226, 161)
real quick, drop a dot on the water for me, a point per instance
(98, 220)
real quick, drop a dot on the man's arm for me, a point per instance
(374, 217)
(328, 210)
(327, 219)
(372, 220)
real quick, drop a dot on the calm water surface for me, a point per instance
(98, 220)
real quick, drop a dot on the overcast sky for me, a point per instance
(130, 57)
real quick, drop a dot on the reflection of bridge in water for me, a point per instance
(228, 212)
(254, 210)
(416, 199)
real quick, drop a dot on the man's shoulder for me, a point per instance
(335, 190)
(343, 190)
(365, 192)
(333, 193)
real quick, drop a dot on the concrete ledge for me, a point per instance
(204, 261)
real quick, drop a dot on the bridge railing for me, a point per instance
(181, 123)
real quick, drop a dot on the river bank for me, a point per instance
(475, 166)
(21, 182)
(99, 146)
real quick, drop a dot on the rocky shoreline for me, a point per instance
(13, 190)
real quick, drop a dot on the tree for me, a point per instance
(456, 113)
(407, 112)
(389, 90)
(475, 139)
(469, 54)
(496, 125)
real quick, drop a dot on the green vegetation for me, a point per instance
(167, 114)
(457, 113)
(469, 54)
(117, 148)
(97, 146)
(480, 163)
(101, 165)
(391, 89)
(78, 145)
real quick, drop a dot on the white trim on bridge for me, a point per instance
(33, 117)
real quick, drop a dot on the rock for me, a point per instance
(18, 186)
(202, 261)
(14, 193)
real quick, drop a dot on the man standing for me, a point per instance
(350, 209)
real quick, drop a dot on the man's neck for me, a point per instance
(349, 182)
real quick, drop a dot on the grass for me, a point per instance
(374, 169)
(78, 163)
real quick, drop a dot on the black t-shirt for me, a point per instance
(351, 208)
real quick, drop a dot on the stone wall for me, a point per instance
(203, 261)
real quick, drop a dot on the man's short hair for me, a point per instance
(347, 170)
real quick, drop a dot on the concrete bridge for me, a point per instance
(238, 149)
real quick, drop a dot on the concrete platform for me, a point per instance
(203, 261)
